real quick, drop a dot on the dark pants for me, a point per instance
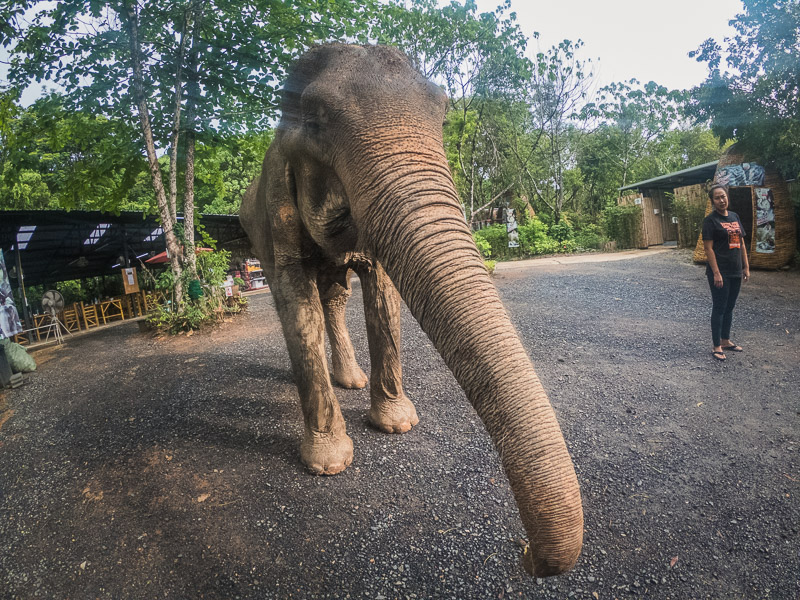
(724, 299)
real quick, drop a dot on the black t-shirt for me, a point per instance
(727, 235)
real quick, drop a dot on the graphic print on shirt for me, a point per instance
(734, 235)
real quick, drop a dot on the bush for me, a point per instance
(590, 237)
(624, 224)
(484, 247)
(534, 238)
(690, 220)
(561, 231)
(208, 305)
(497, 238)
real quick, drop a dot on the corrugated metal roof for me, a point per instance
(690, 176)
(57, 245)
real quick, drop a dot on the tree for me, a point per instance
(632, 117)
(755, 100)
(186, 70)
(54, 158)
(559, 84)
(479, 60)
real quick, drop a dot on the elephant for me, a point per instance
(357, 180)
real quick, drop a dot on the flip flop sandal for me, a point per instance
(733, 348)
(719, 355)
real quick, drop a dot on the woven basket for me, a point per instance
(785, 228)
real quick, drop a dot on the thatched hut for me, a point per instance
(760, 197)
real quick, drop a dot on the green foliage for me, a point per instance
(755, 100)
(590, 237)
(497, 239)
(212, 267)
(207, 303)
(690, 220)
(484, 247)
(490, 265)
(236, 52)
(224, 169)
(624, 225)
(561, 231)
(57, 158)
(536, 238)
(165, 281)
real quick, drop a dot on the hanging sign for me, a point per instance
(130, 280)
(10, 324)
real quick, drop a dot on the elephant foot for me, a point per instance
(351, 378)
(396, 415)
(326, 453)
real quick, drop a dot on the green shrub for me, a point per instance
(490, 265)
(590, 237)
(484, 247)
(624, 224)
(690, 220)
(535, 240)
(561, 231)
(206, 305)
(497, 237)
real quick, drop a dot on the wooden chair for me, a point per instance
(111, 309)
(90, 318)
(71, 318)
(138, 302)
(151, 300)
(40, 323)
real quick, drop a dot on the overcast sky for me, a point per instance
(633, 38)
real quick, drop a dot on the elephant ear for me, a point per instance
(277, 196)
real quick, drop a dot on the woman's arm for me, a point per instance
(745, 264)
(708, 246)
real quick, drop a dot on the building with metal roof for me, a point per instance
(56, 245)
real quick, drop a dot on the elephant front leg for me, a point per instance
(326, 448)
(390, 410)
(334, 292)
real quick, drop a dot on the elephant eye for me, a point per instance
(312, 127)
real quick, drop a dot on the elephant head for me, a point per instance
(359, 153)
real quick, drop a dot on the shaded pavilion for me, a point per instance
(44, 247)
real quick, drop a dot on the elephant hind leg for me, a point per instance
(390, 409)
(334, 291)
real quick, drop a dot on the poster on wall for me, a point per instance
(511, 228)
(765, 221)
(10, 324)
(737, 175)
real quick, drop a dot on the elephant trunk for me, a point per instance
(425, 245)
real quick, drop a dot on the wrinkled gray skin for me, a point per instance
(357, 179)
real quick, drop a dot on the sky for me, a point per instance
(639, 39)
(643, 39)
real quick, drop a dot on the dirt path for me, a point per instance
(134, 467)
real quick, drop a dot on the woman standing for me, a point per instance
(723, 240)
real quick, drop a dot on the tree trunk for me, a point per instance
(167, 220)
(193, 92)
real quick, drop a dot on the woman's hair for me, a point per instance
(717, 186)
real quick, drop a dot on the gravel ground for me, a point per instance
(141, 467)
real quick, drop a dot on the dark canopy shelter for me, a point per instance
(57, 245)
